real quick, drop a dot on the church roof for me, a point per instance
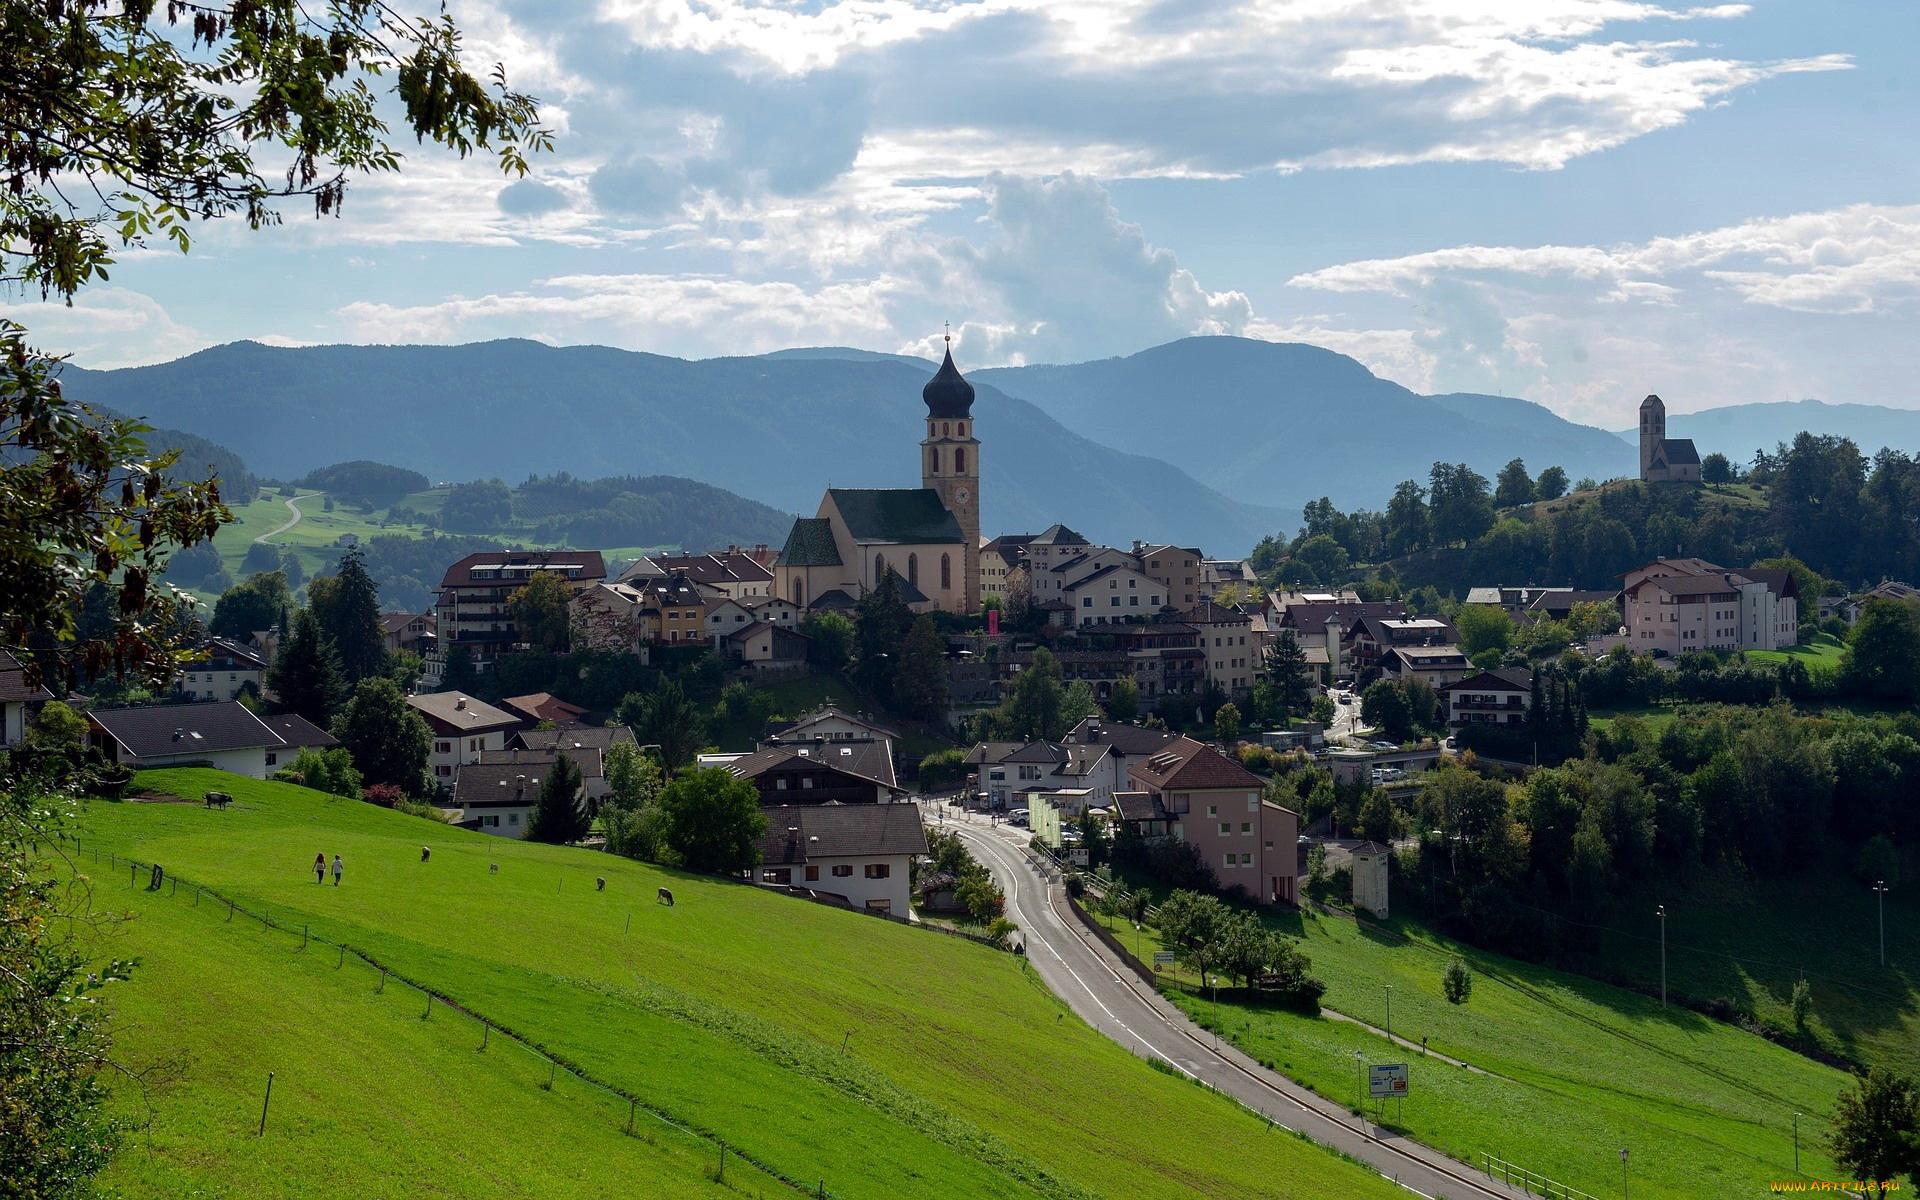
(948, 395)
(1679, 452)
(810, 544)
(895, 516)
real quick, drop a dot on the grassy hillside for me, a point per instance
(886, 1061)
(1569, 1070)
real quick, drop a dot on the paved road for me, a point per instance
(298, 516)
(1117, 1003)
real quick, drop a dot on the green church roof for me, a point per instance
(810, 544)
(897, 516)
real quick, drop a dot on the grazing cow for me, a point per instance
(666, 897)
(599, 884)
(426, 852)
(493, 868)
(218, 799)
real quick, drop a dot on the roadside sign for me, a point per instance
(1162, 958)
(1386, 1080)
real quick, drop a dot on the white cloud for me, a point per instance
(106, 327)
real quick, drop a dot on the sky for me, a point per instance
(1574, 201)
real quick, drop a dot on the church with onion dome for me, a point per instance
(929, 536)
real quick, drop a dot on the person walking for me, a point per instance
(320, 867)
(337, 868)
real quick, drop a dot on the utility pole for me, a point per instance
(1880, 888)
(1662, 913)
(1796, 1143)
(1389, 988)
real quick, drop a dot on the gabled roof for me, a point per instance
(1057, 535)
(1779, 580)
(728, 566)
(296, 731)
(1679, 452)
(810, 544)
(543, 706)
(1506, 679)
(1316, 616)
(589, 759)
(599, 737)
(170, 730)
(833, 600)
(14, 687)
(573, 564)
(394, 622)
(1208, 613)
(1415, 656)
(460, 713)
(498, 785)
(771, 758)
(1191, 765)
(799, 725)
(896, 516)
(1129, 740)
(989, 754)
(1102, 573)
(798, 832)
(231, 654)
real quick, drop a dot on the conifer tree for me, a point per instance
(557, 817)
(305, 676)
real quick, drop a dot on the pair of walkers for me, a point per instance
(320, 868)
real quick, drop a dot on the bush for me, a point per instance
(942, 768)
(1000, 930)
(1457, 982)
(386, 795)
(1802, 1004)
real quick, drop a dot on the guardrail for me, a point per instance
(1530, 1182)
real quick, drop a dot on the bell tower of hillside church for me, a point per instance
(950, 463)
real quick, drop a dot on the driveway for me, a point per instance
(1105, 993)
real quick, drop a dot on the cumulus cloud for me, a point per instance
(106, 327)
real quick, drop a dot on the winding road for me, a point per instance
(1106, 993)
(298, 516)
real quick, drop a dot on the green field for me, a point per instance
(1575, 1069)
(883, 1060)
(1821, 653)
(1748, 941)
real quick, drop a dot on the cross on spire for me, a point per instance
(949, 336)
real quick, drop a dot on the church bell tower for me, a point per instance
(1653, 431)
(950, 465)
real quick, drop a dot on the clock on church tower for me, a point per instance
(950, 461)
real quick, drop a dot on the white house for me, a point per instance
(1489, 698)
(220, 670)
(859, 853)
(222, 734)
(461, 727)
(1676, 605)
(497, 798)
(1112, 594)
(17, 696)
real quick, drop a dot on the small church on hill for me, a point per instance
(929, 536)
(1664, 459)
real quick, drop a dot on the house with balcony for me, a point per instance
(820, 773)
(220, 670)
(1500, 697)
(472, 610)
(1191, 792)
(1674, 605)
(461, 728)
(1436, 665)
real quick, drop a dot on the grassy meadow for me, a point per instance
(883, 1060)
(1570, 1070)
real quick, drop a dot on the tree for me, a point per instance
(478, 507)
(1288, 673)
(881, 622)
(305, 675)
(630, 813)
(1456, 981)
(1226, 724)
(1077, 703)
(1408, 519)
(1322, 711)
(1801, 1005)
(1123, 702)
(666, 717)
(558, 819)
(457, 673)
(1033, 709)
(1483, 627)
(329, 771)
(920, 672)
(387, 737)
(1876, 1129)
(539, 611)
(1462, 510)
(712, 822)
(1513, 486)
(1882, 658)
(1716, 470)
(1551, 485)
(349, 613)
(1377, 821)
(830, 640)
(256, 603)
(1384, 706)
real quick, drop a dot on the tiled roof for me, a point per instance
(799, 725)
(833, 600)
(1506, 679)
(986, 754)
(1188, 764)
(798, 832)
(871, 761)
(1129, 740)
(224, 655)
(503, 785)
(587, 564)
(1680, 452)
(810, 544)
(1428, 654)
(172, 730)
(13, 682)
(1208, 613)
(1315, 616)
(591, 762)
(1058, 535)
(598, 737)
(896, 516)
(543, 706)
(461, 712)
(728, 566)
(296, 730)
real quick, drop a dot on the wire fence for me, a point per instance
(169, 886)
(1530, 1182)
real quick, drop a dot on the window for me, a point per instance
(780, 783)
(1133, 602)
(473, 743)
(1246, 828)
(933, 459)
(879, 568)
(513, 818)
(842, 870)
(813, 873)
(443, 747)
(879, 870)
(1213, 810)
(273, 758)
(946, 572)
(443, 770)
(1246, 860)
(490, 822)
(1228, 861)
(777, 875)
(960, 459)
(913, 568)
(1086, 602)
(1226, 827)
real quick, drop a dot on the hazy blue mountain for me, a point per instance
(1737, 430)
(1284, 423)
(777, 429)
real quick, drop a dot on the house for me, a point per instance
(763, 647)
(1674, 605)
(472, 609)
(498, 797)
(1016, 775)
(1233, 650)
(1124, 745)
(929, 536)
(774, 610)
(614, 618)
(1664, 459)
(1190, 792)
(1370, 637)
(834, 725)
(735, 573)
(220, 670)
(590, 759)
(222, 734)
(1000, 560)
(987, 767)
(1177, 569)
(1500, 697)
(820, 773)
(542, 706)
(296, 734)
(461, 727)
(860, 854)
(1112, 594)
(1437, 665)
(19, 700)
(1322, 625)
(410, 633)
(1049, 581)
(731, 616)
(601, 737)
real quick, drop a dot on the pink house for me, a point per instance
(1193, 793)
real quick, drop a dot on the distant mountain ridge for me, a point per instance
(1281, 423)
(1737, 430)
(777, 429)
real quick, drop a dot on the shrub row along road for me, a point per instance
(1107, 994)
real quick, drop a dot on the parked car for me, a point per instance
(1343, 698)
(1384, 745)
(1453, 742)
(1018, 817)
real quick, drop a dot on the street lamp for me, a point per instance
(1880, 887)
(1661, 911)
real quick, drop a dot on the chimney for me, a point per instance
(460, 705)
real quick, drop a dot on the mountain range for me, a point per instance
(1737, 430)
